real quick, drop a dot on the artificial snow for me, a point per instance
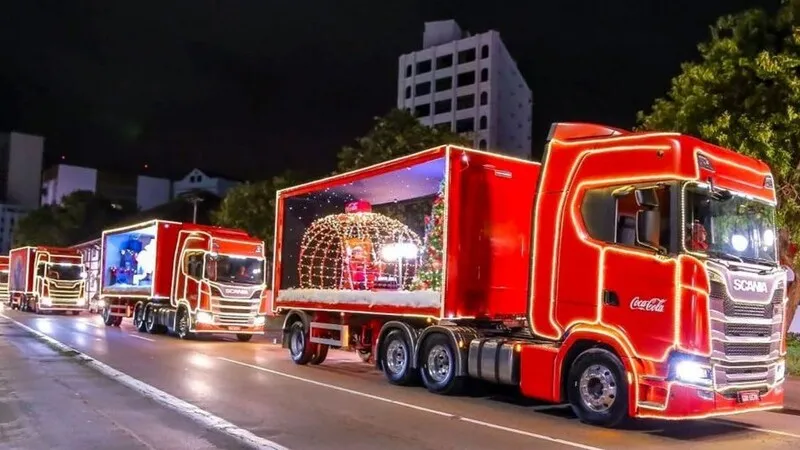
(402, 299)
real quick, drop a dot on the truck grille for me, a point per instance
(747, 330)
(230, 311)
(746, 349)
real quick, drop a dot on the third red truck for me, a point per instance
(628, 274)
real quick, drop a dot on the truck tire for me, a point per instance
(149, 320)
(244, 337)
(300, 348)
(183, 325)
(108, 319)
(139, 317)
(118, 321)
(75, 313)
(597, 389)
(437, 365)
(320, 353)
(396, 356)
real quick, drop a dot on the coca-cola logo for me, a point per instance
(651, 305)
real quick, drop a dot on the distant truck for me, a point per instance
(183, 278)
(47, 279)
(628, 274)
(90, 250)
(4, 279)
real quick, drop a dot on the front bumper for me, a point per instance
(691, 402)
(227, 329)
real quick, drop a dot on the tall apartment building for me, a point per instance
(469, 84)
(20, 180)
(63, 179)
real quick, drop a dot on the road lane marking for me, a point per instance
(142, 337)
(415, 407)
(200, 416)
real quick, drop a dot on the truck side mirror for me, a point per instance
(648, 222)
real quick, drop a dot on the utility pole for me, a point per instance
(194, 199)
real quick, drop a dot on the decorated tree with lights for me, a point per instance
(429, 276)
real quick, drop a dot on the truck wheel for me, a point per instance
(244, 337)
(183, 328)
(75, 313)
(597, 389)
(139, 317)
(149, 320)
(320, 353)
(396, 358)
(108, 319)
(438, 366)
(300, 348)
(118, 321)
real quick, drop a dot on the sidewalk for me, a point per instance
(50, 401)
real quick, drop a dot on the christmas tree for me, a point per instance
(429, 276)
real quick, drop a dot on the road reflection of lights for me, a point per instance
(200, 360)
(81, 326)
(44, 325)
(80, 339)
(199, 387)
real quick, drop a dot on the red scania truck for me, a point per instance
(4, 279)
(183, 278)
(46, 279)
(628, 274)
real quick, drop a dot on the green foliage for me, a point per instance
(251, 207)
(793, 354)
(81, 216)
(429, 276)
(396, 134)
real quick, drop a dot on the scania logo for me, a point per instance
(651, 305)
(235, 291)
(750, 286)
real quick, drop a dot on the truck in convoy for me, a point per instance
(90, 250)
(183, 278)
(4, 279)
(627, 274)
(46, 279)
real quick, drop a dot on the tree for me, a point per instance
(396, 134)
(81, 216)
(251, 207)
(744, 94)
(430, 272)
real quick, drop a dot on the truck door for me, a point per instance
(638, 283)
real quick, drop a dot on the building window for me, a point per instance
(443, 84)
(465, 125)
(424, 66)
(482, 144)
(408, 70)
(423, 110)
(465, 79)
(483, 123)
(465, 102)
(444, 126)
(408, 91)
(423, 88)
(484, 75)
(465, 56)
(443, 106)
(484, 52)
(484, 98)
(444, 61)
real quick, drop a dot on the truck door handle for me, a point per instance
(610, 298)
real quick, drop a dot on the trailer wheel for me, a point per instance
(117, 321)
(597, 389)
(139, 317)
(149, 320)
(396, 356)
(183, 327)
(108, 319)
(300, 348)
(438, 365)
(244, 337)
(320, 353)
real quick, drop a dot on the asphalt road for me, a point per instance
(347, 404)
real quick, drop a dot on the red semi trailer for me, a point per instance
(183, 278)
(4, 279)
(44, 279)
(629, 274)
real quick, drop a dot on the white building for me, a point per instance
(198, 180)
(20, 180)
(468, 84)
(64, 179)
(9, 216)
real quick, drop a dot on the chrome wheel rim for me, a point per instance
(598, 388)
(298, 342)
(439, 364)
(396, 357)
(183, 325)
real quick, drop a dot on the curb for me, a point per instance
(189, 410)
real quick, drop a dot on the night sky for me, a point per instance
(250, 88)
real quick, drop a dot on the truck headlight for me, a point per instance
(260, 321)
(47, 301)
(693, 372)
(780, 370)
(204, 317)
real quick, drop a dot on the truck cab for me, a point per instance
(47, 279)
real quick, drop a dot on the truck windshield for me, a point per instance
(3, 277)
(729, 226)
(63, 271)
(233, 269)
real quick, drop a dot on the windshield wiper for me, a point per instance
(759, 260)
(723, 255)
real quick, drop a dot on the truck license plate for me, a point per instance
(239, 328)
(749, 396)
